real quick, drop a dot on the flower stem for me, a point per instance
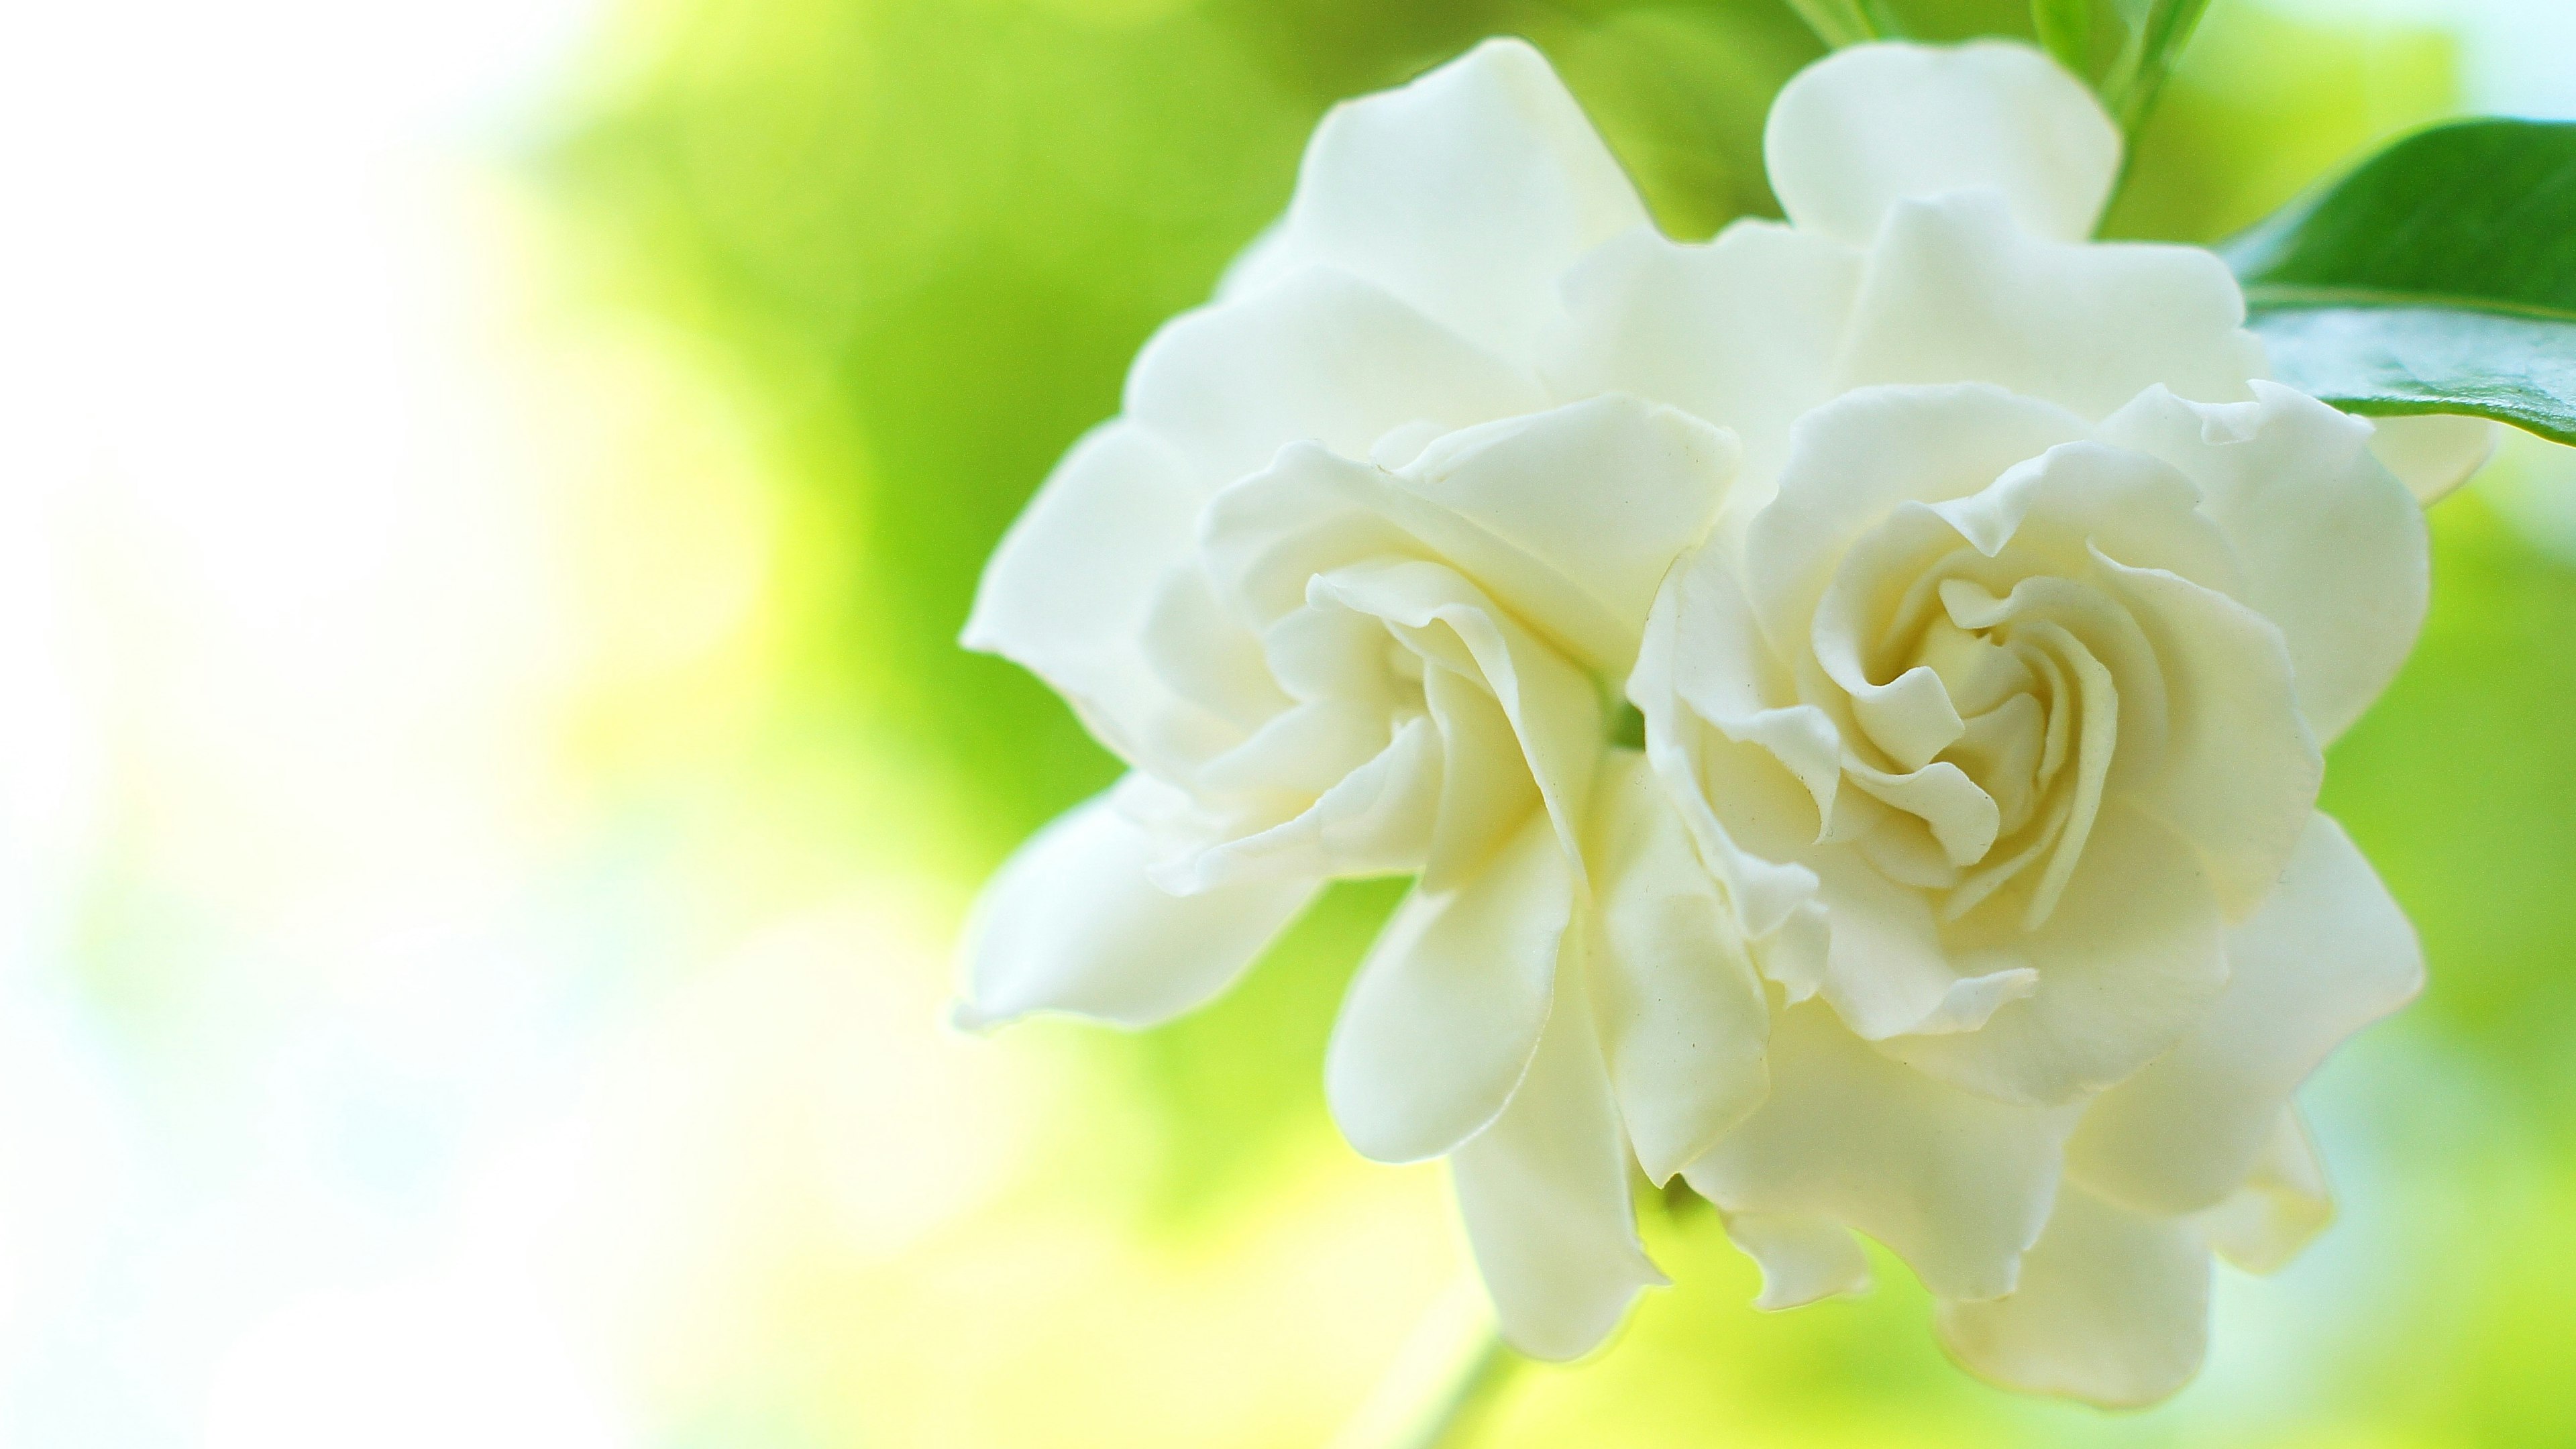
(1443, 1383)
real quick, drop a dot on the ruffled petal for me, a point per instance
(1072, 587)
(1071, 924)
(1872, 125)
(1958, 1185)
(2328, 954)
(1467, 193)
(2333, 547)
(2112, 1309)
(1743, 331)
(1955, 292)
(1441, 1020)
(1544, 1194)
(1683, 1016)
(2127, 964)
(1318, 355)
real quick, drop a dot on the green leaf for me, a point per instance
(1846, 22)
(2440, 276)
(2158, 30)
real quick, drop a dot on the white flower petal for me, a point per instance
(1467, 193)
(1955, 292)
(2128, 963)
(1958, 1185)
(1071, 588)
(1874, 124)
(1446, 1010)
(1803, 1260)
(2332, 546)
(1544, 1194)
(2113, 1309)
(1683, 1016)
(2433, 453)
(1858, 457)
(2283, 1205)
(2328, 954)
(1070, 923)
(1317, 355)
(1743, 331)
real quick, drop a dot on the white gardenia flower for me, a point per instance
(1997, 702)
(1987, 613)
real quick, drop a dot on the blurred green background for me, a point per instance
(489, 785)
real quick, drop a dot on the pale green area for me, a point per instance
(930, 233)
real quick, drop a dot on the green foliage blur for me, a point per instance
(931, 233)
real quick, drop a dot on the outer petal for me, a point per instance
(1466, 193)
(1874, 124)
(1072, 587)
(1804, 1260)
(2127, 965)
(1446, 1010)
(1955, 292)
(1742, 331)
(2333, 546)
(1683, 1015)
(1071, 924)
(2327, 955)
(2283, 1205)
(2434, 453)
(1320, 355)
(1957, 1184)
(2113, 1309)
(1544, 1192)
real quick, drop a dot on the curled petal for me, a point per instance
(2112, 1309)
(2333, 547)
(1070, 923)
(1544, 1194)
(1683, 1016)
(1466, 193)
(2283, 1205)
(1870, 126)
(1958, 1185)
(2433, 453)
(1445, 1012)
(2328, 954)
(1803, 1260)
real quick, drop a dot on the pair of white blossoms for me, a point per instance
(1986, 610)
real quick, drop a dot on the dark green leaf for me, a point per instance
(2438, 277)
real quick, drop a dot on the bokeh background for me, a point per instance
(487, 788)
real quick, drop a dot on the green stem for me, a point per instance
(1470, 1398)
(1845, 22)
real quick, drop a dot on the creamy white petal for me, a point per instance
(1859, 456)
(1544, 1194)
(2113, 1309)
(2333, 547)
(1804, 1260)
(1071, 924)
(2239, 770)
(1071, 588)
(2434, 453)
(2328, 954)
(1318, 355)
(1446, 1010)
(1956, 292)
(1874, 124)
(2127, 964)
(1958, 1185)
(1467, 193)
(1683, 1016)
(2283, 1205)
(1743, 330)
